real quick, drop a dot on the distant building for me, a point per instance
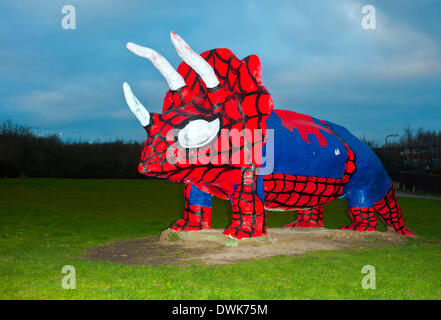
(427, 158)
(413, 168)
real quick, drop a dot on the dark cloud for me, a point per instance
(316, 59)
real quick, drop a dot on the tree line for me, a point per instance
(410, 138)
(420, 138)
(23, 154)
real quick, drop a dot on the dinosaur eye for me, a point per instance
(198, 133)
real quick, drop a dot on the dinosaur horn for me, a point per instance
(174, 79)
(137, 108)
(195, 61)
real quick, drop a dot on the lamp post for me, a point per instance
(388, 136)
(385, 147)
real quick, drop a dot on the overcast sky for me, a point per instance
(316, 58)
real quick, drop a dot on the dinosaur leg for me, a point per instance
(308, 218)
(249, 216)
(390, 212)
(197, 212)
(363, 219)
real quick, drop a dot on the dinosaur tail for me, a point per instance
(389, 210)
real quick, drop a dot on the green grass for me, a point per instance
(48, 223)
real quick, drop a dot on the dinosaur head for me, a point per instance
(213, 115)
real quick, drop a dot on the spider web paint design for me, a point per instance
(240, 102)
(390, 212)
(308, 218)
(363, 219)
(195, 217)
(249, 216)
(290, 192)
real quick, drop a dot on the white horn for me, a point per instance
(137, 108)
(195, 61)
(174, 79)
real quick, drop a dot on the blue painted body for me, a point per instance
(370, 182)
(293, 155)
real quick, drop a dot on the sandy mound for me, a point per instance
(212, 247)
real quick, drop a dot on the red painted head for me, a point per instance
(214, 115)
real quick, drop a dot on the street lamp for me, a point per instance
(390, 135)
(385, 148)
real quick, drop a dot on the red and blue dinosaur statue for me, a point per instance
(218, 125)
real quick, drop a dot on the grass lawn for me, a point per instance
(48, 223)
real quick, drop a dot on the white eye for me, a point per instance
(198, 133)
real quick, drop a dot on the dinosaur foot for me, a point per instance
(359, 227)
(242, 233)
(183, 225)
(404, 231)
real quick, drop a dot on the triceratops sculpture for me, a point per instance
(217, 115)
